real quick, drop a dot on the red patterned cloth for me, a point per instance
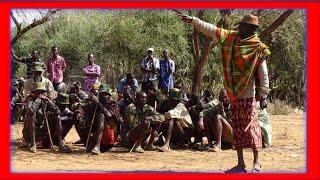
(243, 110)
(108, 136)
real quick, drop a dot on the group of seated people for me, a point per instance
(131, 118)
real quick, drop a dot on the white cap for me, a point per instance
(151, 49)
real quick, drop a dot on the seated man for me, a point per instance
(37, 76)
(216, 121)
(128, 81)
(68, 117)
(105, 123)
(38, 106)
(76, 89)
(177, 118)
(16, 104)
(195, 106)
(139, 120)
(128, 98)
(86, 109)
(154, 96)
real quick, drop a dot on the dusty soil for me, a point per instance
(287, 154)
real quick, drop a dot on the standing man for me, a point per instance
(167, 69)
(150, 69)
(28, 61)
(91, 73)
(56, 66)
(243, 55)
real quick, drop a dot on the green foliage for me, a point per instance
(119, 39)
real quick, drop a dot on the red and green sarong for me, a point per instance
(243, 111)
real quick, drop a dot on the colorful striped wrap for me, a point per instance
(241, 58)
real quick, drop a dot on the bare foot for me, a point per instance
(138, 149)
(215, 149)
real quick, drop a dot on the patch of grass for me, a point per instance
(280, 108)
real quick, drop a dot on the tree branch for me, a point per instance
(35, 23)
(15, 21)
(276, 23)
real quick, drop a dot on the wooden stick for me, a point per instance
(176, 11)
(133, 146)
(95, 110)
(48, 128)
(255, 116)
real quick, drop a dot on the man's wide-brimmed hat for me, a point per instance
(150, 49)
(175, 94)
(37, 66)
(62, 98)
(39, 86)
(104, 88)
(95, 86)
(250, 19)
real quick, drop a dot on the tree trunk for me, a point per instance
(200, 57)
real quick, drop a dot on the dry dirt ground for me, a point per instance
(287, 154)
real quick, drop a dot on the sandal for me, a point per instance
(237, 169)
(256, 168)
(64, 149)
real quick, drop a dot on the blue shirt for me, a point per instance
(123, 82)
(166, 76)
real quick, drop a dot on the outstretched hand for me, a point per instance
(185, 18)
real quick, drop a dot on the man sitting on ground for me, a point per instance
(139, 120)
(177, 118)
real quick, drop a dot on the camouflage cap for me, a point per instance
(62, 98)
(37, 66)
(104, 88)
(175, 94)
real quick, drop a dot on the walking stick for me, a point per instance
(48, 128)
(95, 110)
(133, 146)
(255, 116)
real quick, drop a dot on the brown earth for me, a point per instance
(287, 154)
